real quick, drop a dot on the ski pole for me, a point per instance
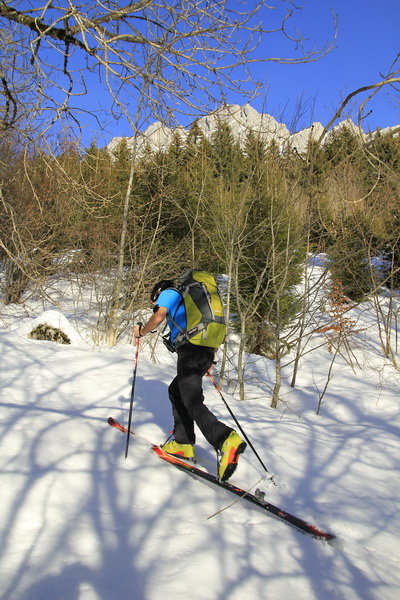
(272, 478)
(132, 395)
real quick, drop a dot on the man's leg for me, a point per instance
(186, 395)
(183, 423)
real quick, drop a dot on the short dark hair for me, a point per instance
(162, 285)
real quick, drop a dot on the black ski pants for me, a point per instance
(187, 399)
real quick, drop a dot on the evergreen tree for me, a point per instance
(343, 145)
(226, 154)
(275, 253)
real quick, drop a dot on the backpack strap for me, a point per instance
(173, 322)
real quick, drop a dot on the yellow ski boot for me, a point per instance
(231, 449)
(185, 451)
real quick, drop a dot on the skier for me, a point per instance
(185, 391)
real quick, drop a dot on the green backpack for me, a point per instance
(205, 321)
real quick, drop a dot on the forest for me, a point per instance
(250, 214)
(254, 214)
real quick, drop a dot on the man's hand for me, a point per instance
(137, 330)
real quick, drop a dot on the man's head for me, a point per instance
(162, 285)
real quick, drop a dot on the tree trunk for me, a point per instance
(112, 329)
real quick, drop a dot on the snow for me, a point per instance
(79, 522)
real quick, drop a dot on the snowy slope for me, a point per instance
(79, 522)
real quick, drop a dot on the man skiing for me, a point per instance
(186, 391)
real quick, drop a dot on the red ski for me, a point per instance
(256, 499)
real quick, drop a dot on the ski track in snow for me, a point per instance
(78, 522)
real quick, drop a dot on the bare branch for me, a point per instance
(395, 78)
(179, 59)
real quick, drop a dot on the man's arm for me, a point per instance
(155, 320)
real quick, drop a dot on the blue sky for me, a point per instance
(367, 45)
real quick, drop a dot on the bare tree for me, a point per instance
(153, 59)
(180, 58)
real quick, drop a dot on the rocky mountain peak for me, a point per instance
(241, 120)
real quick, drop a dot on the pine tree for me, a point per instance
(226, 154)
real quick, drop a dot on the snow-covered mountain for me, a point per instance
(241, 120)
